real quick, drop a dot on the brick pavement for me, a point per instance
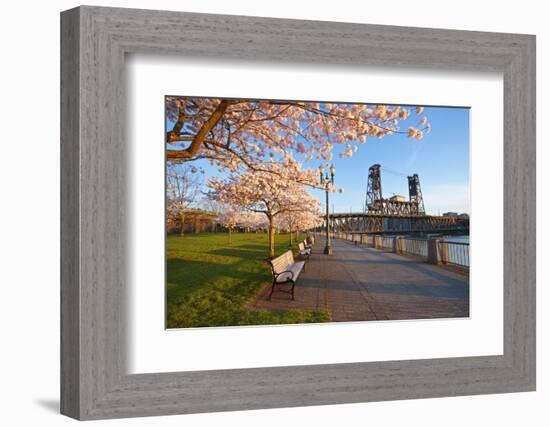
(360, 283)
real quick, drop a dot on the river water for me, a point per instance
(457, 239)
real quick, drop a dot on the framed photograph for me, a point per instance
(250, 195)
(292, 213)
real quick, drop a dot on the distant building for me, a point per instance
(398, 199)
(456, 215)
(194, 221)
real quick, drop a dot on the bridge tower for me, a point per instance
(374, 202)
(415, 195)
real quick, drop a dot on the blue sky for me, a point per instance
(441, 159)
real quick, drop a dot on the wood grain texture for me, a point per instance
(70, 262)
(94, 382)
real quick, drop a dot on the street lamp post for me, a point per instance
(327, 180)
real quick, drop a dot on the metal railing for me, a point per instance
(455, 253)
(387, 242)
(414, 246)
(367, 240)
(451, 253)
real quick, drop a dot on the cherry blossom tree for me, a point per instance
(233, 217)
(270, 193)
(229, 218)
(183, 183)
(250, 220)
(251, 134)
(299, 221)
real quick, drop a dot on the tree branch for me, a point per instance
(193, 148)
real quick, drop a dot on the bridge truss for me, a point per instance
(374, 223)
(395, 215)
(375, 203)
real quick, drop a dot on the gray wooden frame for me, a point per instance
(94, 382)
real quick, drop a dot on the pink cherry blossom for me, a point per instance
(235, 133)
(270, 193)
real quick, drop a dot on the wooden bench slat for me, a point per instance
(285, 270)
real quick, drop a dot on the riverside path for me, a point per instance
(359, 283)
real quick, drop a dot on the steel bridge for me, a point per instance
(394, 215)
(368, 223)
(375, 203)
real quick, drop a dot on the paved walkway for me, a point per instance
(360, 283)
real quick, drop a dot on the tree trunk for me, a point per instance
(290, 238)
(229, 236)
(182, 219)
(271, 239)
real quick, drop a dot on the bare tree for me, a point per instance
(183, 185)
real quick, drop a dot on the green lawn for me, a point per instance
(210, 281)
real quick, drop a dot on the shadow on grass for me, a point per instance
(241, 252)
(188, 276)
(209, 284)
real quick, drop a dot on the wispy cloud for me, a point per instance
(411, 158)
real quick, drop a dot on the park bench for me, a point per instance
(285, 270)
(305, 251)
